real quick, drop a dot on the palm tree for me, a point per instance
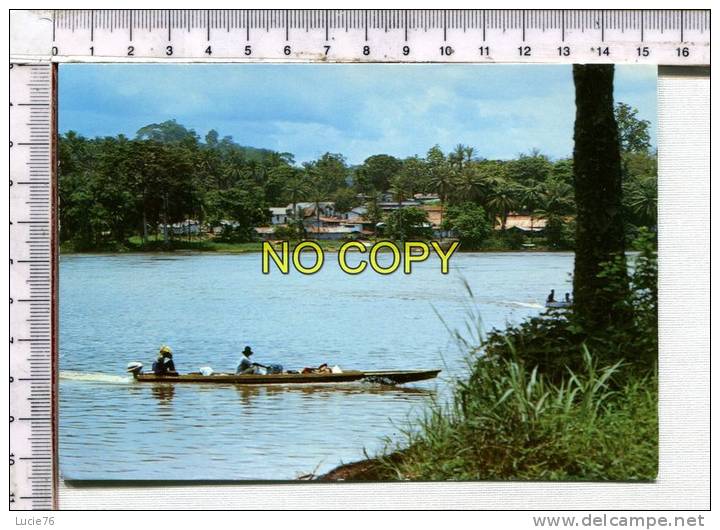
(502, 202)
(556, 203)
(317, 194)
(442, 180)
(530, 197)
(374, 214)
(401, 187)
(557, 198)
(643, 199)
(232, 171)
(296, 189)
(469, 185)
(461, 156)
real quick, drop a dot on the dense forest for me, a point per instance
(113, 189)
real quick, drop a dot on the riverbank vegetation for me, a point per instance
(546, 400)
(116, 191)
(571, 394)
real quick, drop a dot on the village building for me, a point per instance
(188, 227)
(426, 198)
(265, 232)
(334, 232)
(307, 211)
(390, 206)
(278, 215)
(522, 222)
(357, 213)
(435, 219)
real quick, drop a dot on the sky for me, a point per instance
(356, 110)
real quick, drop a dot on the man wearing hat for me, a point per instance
(164, 364)
(246, 366)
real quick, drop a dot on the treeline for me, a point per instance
(114, 188)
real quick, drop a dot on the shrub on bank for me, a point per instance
(509, 422)
(538, 405)
(553, 341)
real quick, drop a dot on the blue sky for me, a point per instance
(356, 110)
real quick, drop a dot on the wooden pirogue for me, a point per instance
(382, 376)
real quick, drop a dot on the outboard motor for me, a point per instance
(135, 368)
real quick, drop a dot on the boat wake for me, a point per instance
(531, 305)
(95, 377)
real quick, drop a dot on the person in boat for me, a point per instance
(246, 366)
(551, 297)
(164, 363)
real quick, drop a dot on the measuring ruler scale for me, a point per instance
(567, 36)
(39, 39)
(32, 287)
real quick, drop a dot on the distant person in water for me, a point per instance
(567, 298)
(246, 366)
(164, 364)
(551, 297)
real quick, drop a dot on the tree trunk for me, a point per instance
(165, 219)
(600, 233)
(144, 225)
(442, 208)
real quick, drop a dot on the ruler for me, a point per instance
(41, 38)
(667, 37)
(32, 287)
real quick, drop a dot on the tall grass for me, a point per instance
(509, 420)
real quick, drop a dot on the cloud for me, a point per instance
(357, 110)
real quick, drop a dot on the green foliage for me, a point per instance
(376, 173)
(641, 198)
(374, 213)
(530, 169)
(559, 233)
(288, 232)
(509, 422)
(502, 199)
(329, 173)
(442, 174)
(562, 171)
(239, 206)
(112, 189)
(345, 199)
(402, 186)
(470, 223)
(555, 340)
(167, 132)
(634, 132)
(408, 224)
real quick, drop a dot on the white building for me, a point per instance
(279, 215)
(188, 227)
(359, 212)
(307, 209)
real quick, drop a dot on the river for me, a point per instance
(207, 307)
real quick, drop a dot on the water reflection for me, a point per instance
(163, 392)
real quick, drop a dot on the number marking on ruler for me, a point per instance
(664, 37)
(32, 268)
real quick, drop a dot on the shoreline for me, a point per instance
(331, 249)
(365, 470)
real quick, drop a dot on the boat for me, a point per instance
(556, 305)
(391, 377)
